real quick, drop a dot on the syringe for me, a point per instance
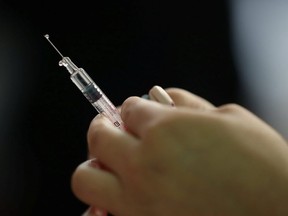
(90, 90)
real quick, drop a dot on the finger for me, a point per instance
(94, 186)
(110, 145)
(158, 94)
(138, 113)
(185, 98)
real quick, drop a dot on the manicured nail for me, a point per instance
(160, 95)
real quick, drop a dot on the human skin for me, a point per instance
(195, 159)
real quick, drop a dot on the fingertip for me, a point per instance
(76, 180)
(98, 123)
(96, 120)
(92, 185)
(138, 113)
(98, 117)
(81, 175)
(127, 104)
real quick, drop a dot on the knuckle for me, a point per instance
(229, 108)
(162, 125)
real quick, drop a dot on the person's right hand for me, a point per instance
(195, 159)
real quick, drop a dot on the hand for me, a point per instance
(197, 159)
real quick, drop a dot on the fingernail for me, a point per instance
(97, 164)
(97, 212)
(93, 211)
(98, 116)
(94, 163)
(160, 95)
(145, 96)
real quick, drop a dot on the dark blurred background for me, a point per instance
(126, 47)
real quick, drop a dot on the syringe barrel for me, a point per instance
(96, 97)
